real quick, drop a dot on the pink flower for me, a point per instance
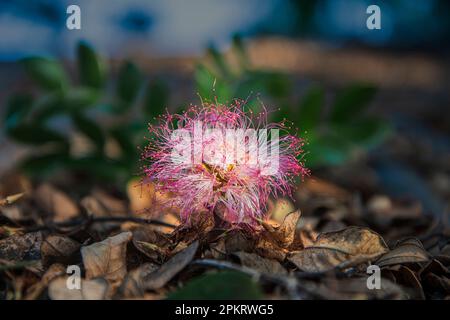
(217, 156)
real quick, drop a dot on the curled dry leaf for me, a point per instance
(170, 269)
(101, 204)
(260, 264)
(285, 233)
(407, 251)
(55, 201)
(21, 247)
(107, 258)
(151, 243)
(274, 241)
(10, 199)
(54, 271)
(345, 248)
(410, 281)
(133, 284)
(95, 289)
(58, 248)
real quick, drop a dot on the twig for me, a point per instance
(85, 223)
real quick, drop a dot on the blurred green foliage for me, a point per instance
(334, 135)
(127, 104)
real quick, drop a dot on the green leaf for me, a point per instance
(365, 132)
(311, 108)
(129, 82)
(90, 68)
(99, 167)
(46, 72)
(239, 48)
(17, 109)
(89, 128)
(351, 101)
(326, 150)
(48, 106)
(217, 286)
(219, 61)
(276, 84)
(79, 98)
(209, 87)
(43, 165)
(34, 134)
(157, 97)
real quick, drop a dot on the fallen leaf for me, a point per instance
(170, 269)
(101, 204)
(408, 279)
(274, 241)
(55, 201)
(141, 195)
(151, 243)
(268, 248)
(58, 248)
(343, 249)
(132, 286)
(356, 289)
(107, 258)
(320, 187)
(21, 247)
(54, 271)
(285, 233)
(95, 289)
(236, 240)
(10, 199)
(260, 264)
(407, 251)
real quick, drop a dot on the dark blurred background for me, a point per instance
(373, 104)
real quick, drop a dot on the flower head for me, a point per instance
(217, 156)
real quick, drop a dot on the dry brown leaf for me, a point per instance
(10, 199)
(58, 248)
(55, 201)
(151, 243)
(407, 251)
(170, 269)
(21, 247)
(107, 258)
(95, 289)
(356, 289)
(141, 195)
(321, 187)
(132, 286)
(283, 235)
(101, 204)
(54, 271)
(345, 248)
(268, 248)
(260, 264)
(409, 279)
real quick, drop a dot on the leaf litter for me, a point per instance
(123, 253)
